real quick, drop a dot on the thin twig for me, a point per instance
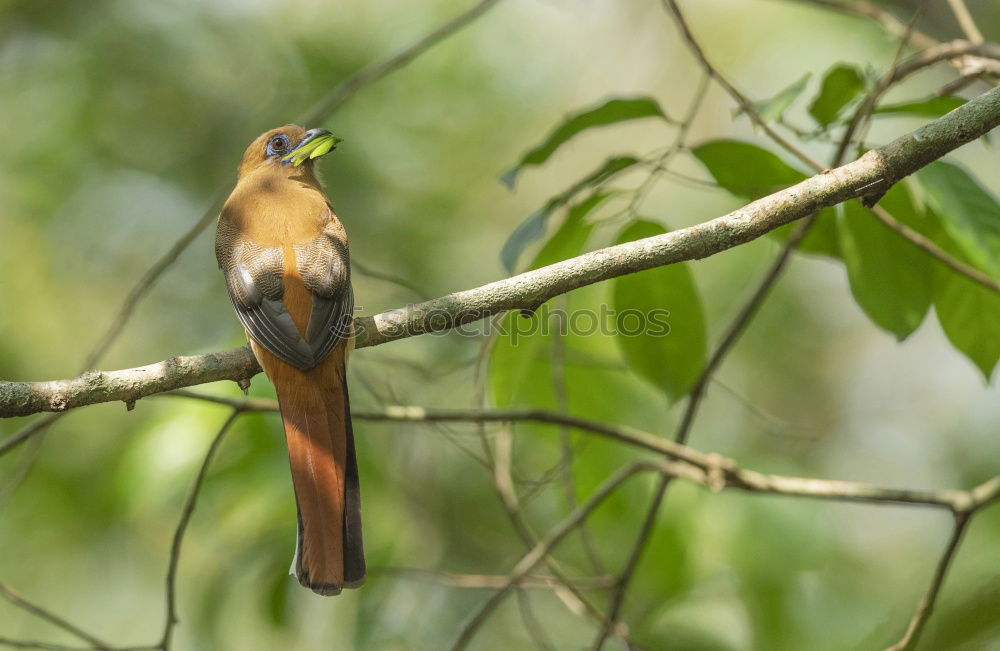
(175, 548)
(531, 624)
(30, 644)
(491, 581)
(149, 278)
(710, 464)
(567, 453)
(935, 251)
(27, 432)
(898, 72)
(544, 547)
(631, 562)
(392, 279)
(503, 484)
(365, 77)
(744, 103)
(950, 51)
(926, 606)
(52, 618)
(621, 584)
(894, 26)
(965, 21)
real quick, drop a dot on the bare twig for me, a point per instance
(926, 606)
(392, 279)
(542, 549)
(892, 25)
(175, 548)
(965, 21)
(708, 463)
(568, 454)
(149, 278)
(30, 644)
(336, 97)
(952, 50)
(503, 484)
(492, 581)
(531, 624)
(934, 53)
(730, 337)
(935, 251)
(744, 103)
(978, 498)
(27, 432)
(51, 618)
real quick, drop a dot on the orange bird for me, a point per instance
(284, 254)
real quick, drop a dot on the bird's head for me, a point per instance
(287, 146)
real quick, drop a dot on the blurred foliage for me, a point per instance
(121, 120)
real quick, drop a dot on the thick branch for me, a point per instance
(92, 387)
(872, 174)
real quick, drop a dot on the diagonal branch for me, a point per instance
(50, 617)
(336, 97)
(711, 470)
(926, 606)
(545, 545)
(965, 20)
(175, 548)
(873, 173)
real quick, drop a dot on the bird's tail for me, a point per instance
(316, 414)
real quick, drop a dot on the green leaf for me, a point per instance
(842, 84)
(568, 241)
(969, 213)
(609, 112)
(750, 172)
(969, 313)
(890, 278)
(533, 227)
(746, 170)
(598, 385)
(970, 317)
(933, 106)
(772, 109)
(660, 322)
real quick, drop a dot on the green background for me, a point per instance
(120, 120)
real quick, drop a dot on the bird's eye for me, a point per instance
(279, 143)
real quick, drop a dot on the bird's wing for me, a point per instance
(254, 278)
(325, 269)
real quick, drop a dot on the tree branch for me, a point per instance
(873, 173)
(965, 20)
(709, 469)
(171, 619)
(52, 618)
(926, 606)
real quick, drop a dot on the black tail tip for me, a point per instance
(330, 589)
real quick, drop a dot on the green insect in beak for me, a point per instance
(316, 143)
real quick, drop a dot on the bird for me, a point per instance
(285, 257)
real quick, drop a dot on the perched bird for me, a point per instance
(285, 257)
